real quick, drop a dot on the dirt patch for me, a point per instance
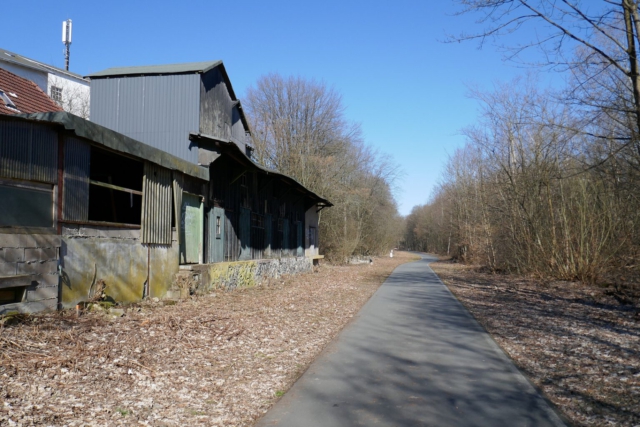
(217, 360)
(580, 344)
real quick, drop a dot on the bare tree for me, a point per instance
(300, 129)
(589, 39)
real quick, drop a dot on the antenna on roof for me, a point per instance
(66, 39)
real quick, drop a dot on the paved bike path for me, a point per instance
(413, 356)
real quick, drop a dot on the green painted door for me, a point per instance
(190, 229)
(216, 235)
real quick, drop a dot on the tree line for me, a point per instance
(548, 181)
(299, 128)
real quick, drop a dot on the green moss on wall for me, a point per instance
(228, 275)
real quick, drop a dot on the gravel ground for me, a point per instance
(578, 343)
(216, 360)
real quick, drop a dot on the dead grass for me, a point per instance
(580, 344)
(217, 360)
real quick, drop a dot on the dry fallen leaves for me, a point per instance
(220, 359)
(576, 342)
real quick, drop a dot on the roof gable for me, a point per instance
(24, 94)
(173, 69)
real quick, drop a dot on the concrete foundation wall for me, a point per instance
(231, 275)
(89, 254)
(30, 260)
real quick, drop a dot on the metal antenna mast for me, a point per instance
(66, 39)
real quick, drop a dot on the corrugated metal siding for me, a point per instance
(131, 98)
(44, 154)
(160, 111)
(156, 205)
(75, 188)
(28, 151)
(104, 102)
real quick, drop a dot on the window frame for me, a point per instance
(56, 94)
(38, 186)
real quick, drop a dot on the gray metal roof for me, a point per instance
(146, 70)
(14, 58)
(117, 142)
(231, 148)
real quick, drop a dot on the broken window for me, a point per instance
(115, 188)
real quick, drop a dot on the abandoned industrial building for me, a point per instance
(159, 183)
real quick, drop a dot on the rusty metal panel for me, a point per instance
(156, 205)
(28, 151)
(75, 187)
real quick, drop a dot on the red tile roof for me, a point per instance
(29, 98)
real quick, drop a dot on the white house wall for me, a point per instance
(75, 94)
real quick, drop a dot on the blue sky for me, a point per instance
(404, 86)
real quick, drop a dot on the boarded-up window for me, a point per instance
(156, 205)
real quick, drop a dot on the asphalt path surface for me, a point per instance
(413, 356)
